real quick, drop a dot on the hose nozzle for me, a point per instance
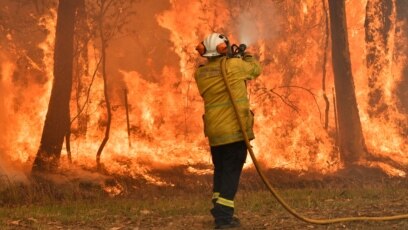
(241, 49)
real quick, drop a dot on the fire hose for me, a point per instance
(269, 185)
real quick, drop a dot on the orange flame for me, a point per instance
(165, 114)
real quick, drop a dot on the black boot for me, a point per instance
(234, 223)
(223, 217)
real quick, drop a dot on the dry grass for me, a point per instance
(85, 205)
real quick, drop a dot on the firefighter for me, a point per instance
(221, 127)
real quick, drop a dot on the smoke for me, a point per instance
(257, 21)
(247, 28)
(9, 174)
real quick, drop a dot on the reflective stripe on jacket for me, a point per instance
(220, 122)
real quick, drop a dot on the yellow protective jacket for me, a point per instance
(220, 122)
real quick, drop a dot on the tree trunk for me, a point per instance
(401, 53)
(324, 70)
(108, 108)
(81, 68)
(378, 25)
(351, 139)
(57, 119)
(125, 92)
(104, 46)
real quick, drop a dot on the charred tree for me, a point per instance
(104, 6)
(378, 26)
(81, 67)
(80, 53)
(57, 120)
(401, 52)
(106, 95)
(351, 139)
(325, 52)
(401, 57)
(125, 92)
(110, 18)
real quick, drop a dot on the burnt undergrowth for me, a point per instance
(176, 181)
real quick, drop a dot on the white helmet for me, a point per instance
(213, 45)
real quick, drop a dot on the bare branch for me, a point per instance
(286, 101)
(310, 92)
(88, 91)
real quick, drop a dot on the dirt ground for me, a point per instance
(184, 202)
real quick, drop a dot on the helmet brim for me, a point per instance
(212, 54)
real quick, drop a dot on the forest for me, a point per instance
(98, 101)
